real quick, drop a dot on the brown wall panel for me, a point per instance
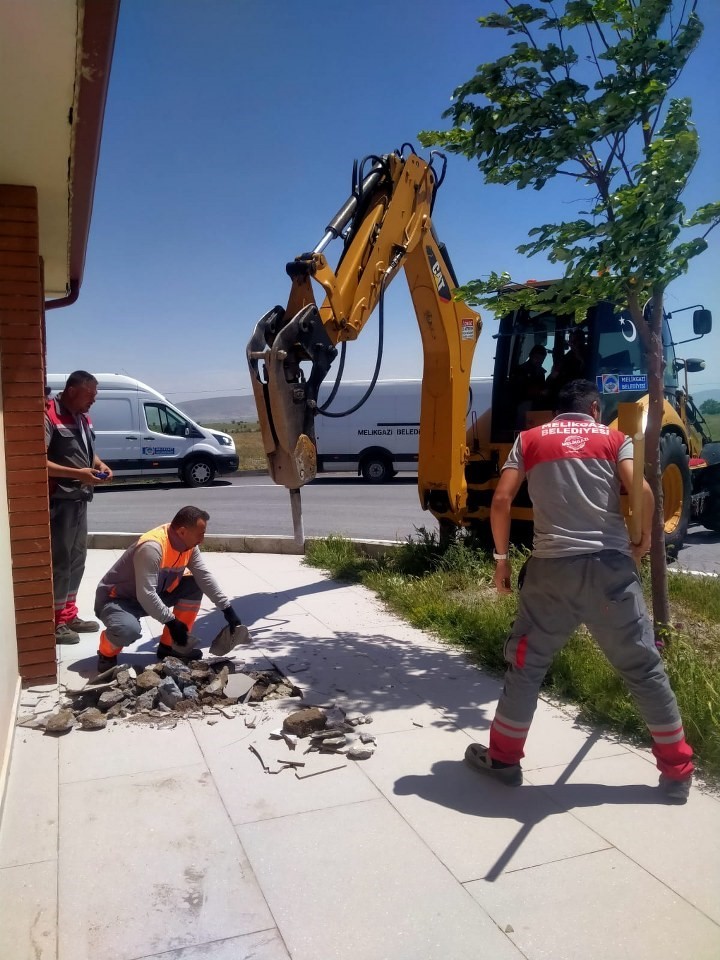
(22, 366)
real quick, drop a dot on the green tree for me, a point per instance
(710, 407)
(584, 94)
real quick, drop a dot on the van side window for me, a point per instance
(112, 413)
(162, 420)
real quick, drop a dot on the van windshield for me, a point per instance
(163, 420)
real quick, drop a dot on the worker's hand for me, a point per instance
(502, 581)
(231, 618)
(178, 631)
(89, 475)
(639, 550)
(104, 468)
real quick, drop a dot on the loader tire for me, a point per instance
(677, 491)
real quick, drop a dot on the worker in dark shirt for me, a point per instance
(528, 384)
(74, 469)
(571, 365)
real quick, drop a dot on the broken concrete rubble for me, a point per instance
(147, 680)
(162, 692)
(92, 719)
(311, 724)
(60, 722)
(360, 751)
(109, 698)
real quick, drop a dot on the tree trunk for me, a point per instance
(658, 561)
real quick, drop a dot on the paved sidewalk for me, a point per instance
(133, 842)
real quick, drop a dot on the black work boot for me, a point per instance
(477, 757)
(106, 663)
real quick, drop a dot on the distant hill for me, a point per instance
(700, 396)
(219, 409)
(227, 409)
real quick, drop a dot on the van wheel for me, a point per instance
(376, 469)
(676, 486)
(198, 473)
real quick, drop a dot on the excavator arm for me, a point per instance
(385, 226)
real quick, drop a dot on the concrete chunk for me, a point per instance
(60, 722)
(301, 723)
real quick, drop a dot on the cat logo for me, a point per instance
(443, 290)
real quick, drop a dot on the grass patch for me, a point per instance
(713, 422)
(248, 442)
(450, 593)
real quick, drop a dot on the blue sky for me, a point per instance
(230, 131)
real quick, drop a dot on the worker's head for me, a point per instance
(189, 525)
(580, 396)
(79, 391)
(537, 355)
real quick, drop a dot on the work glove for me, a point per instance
(231, 618)
(179, 632)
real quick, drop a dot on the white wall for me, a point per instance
(9, 679)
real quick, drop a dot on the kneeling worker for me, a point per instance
(149, 579)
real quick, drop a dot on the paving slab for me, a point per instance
(28, 832)
(267, 945)
(150, 863)
(617, 797)
(122, 748)
(380, 893)
(250, 794)
(28, 911)
(552, 913)
(474, 826)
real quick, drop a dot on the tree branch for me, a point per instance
(600, 33)
(594, 54)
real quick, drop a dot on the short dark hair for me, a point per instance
(188, 517)
(577, 397)
(537, 349)
(79, 378)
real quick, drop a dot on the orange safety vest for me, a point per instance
(173, 563)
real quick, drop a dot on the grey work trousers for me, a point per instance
(68, 537)
(121, 616)
(603, 591)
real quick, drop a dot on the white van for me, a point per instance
(138, 433)
(381, 437)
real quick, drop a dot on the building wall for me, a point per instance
(22, 372)
(9, 680)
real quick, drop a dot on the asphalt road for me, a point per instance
(340, 503)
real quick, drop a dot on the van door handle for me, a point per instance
(131, 438)
(147, 438)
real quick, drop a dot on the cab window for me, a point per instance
(160, 419)
(619, 349)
